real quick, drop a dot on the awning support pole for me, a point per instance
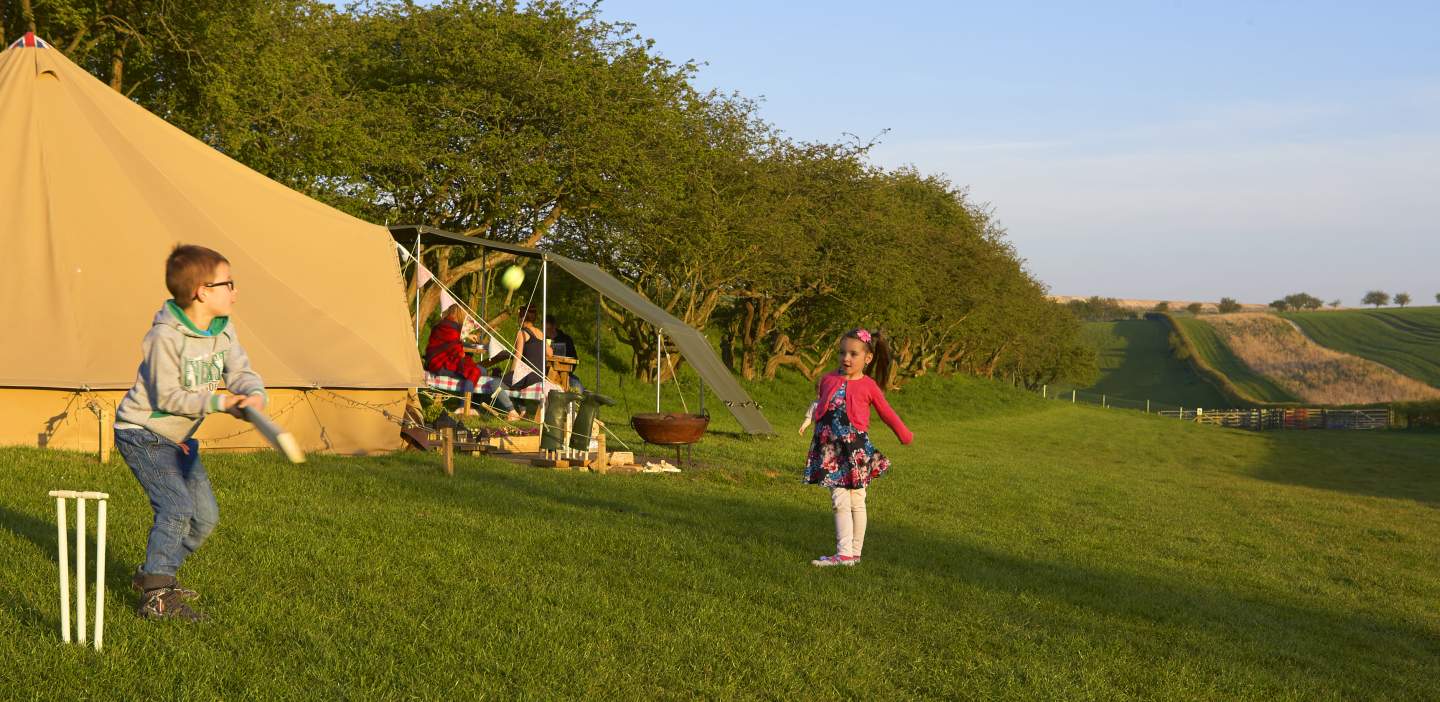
(417, 287)
(659, 343)
(597, 341)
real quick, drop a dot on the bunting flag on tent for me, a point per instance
(445, 300)
(493, 347)
(425, 274)
(30, 41)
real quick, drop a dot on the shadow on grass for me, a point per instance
(1391, 464)
(1263, 634)
(42, 533)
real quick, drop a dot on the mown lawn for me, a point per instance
(1020, 549)
(1212, 348)
(1407, 340)
(1136, 363)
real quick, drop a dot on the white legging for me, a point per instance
(849, 520)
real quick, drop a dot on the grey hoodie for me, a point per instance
(180, 370)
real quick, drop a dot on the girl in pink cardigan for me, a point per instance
(841, 455)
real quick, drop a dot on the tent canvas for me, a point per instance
(691, 343)
(96, 190)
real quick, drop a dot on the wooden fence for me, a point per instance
(1287, 418)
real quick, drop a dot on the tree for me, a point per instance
(1280, 305)
(1402, 299)
(1195, 308)
(1228, 305)
(521, 123)
(1335, 304)
(1162, 306)
(1303, 301)
(718, 223)
(1376, 298)
(1100, 309)
(154, 51)
(1055, 353)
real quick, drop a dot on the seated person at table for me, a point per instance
(445, 355)
(530, 341)
(562, 345)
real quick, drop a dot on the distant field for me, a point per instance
(1136, 363)
(1212, 350)
(1407, 340)
(1276, 348)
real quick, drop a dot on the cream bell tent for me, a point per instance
(94, 192)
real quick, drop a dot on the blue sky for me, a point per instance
(1170, 150)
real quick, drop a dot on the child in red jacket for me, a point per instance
(841, 455)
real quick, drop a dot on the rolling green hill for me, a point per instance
(1407, 340)
(1214, 358)
(1136, 363)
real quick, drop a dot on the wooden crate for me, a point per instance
(512, 444)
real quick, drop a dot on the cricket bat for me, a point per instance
(282, 440)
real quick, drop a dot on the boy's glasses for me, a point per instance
(224, 283)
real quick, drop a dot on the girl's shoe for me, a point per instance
(835, 560)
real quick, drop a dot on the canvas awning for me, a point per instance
(691, 343)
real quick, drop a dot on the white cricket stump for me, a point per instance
(61, 540)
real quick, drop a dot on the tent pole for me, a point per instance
(544, 313)
(484, 286)
(597, 341)
(417, 287)
(659, 342)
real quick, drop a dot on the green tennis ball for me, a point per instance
(512, 277)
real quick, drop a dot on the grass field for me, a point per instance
(1019, 549)
(1407, 340)
(1136, 363)
(1212, 350)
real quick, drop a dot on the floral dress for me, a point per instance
(840, 456)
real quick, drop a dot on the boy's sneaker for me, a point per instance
(166, 603)
(835, 560)
(140, 584)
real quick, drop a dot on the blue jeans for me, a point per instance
(499, 399)
(179, 492)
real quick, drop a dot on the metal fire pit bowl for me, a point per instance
(670, 429)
